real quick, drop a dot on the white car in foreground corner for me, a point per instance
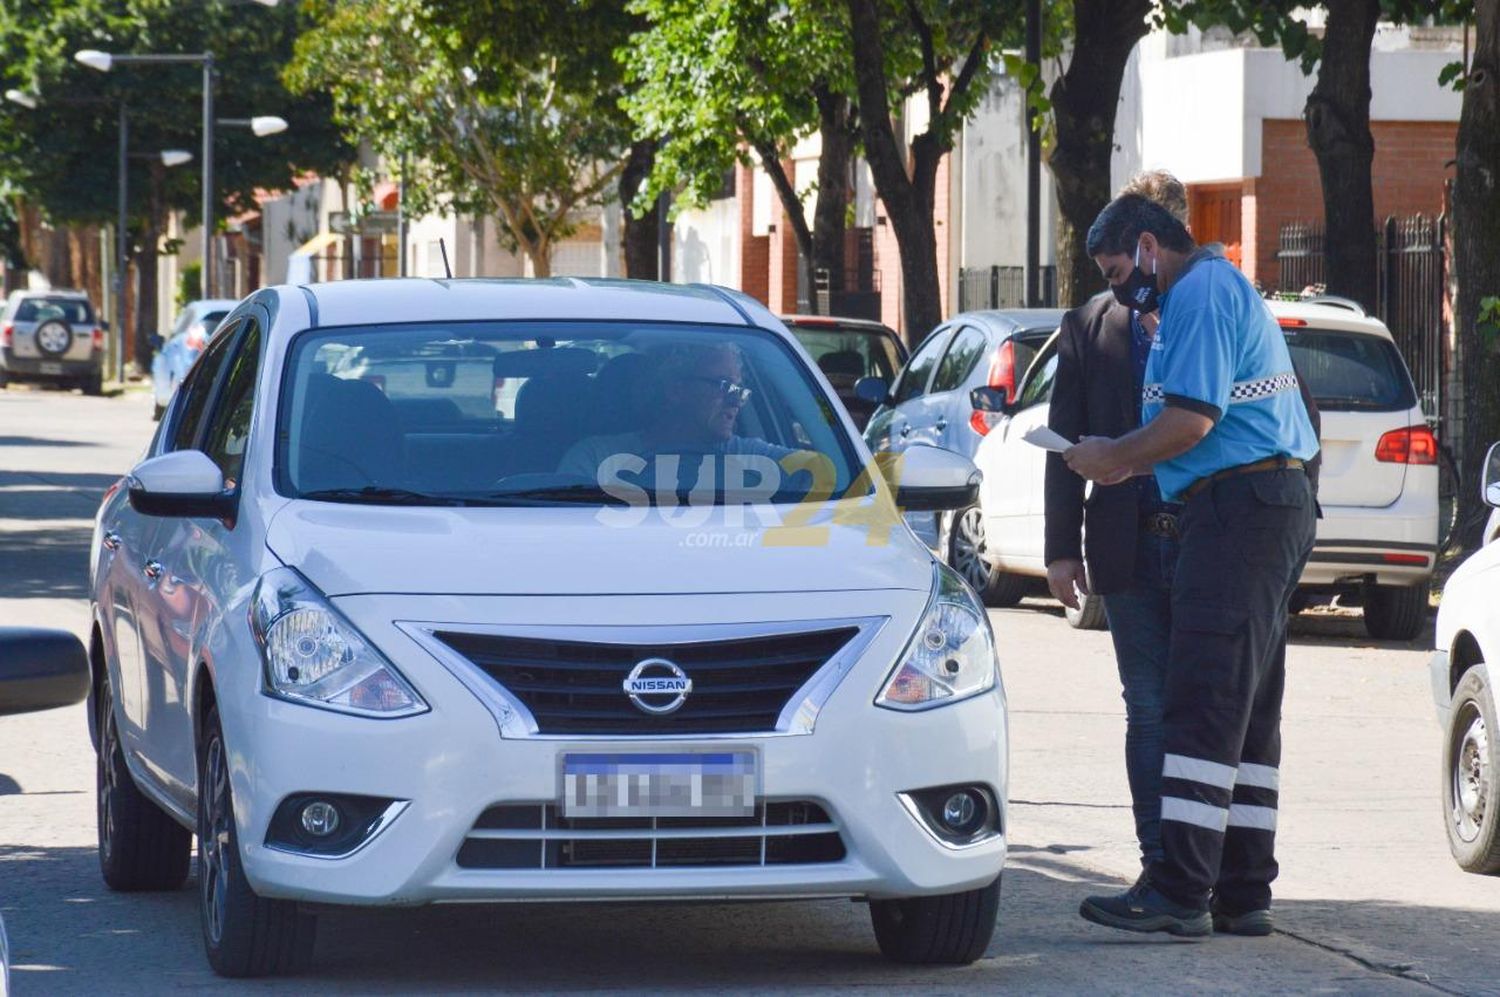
(1468, 642)
(412, 604)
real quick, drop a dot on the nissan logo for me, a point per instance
(657, 686)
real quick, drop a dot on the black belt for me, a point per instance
(1269, 464)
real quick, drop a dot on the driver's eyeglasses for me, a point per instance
(727, 388)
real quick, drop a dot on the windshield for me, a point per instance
(1351, 371)
(528, 413)
(74, 311)
(846, 355)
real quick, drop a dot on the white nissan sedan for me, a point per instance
(436, 591)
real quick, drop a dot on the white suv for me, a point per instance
(1468, 642)
(380, 641)
(1377, 538)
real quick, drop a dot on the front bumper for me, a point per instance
(1442, 692)
(452, 764)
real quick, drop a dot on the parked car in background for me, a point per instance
(52, 336)
(1468, 642)
(930, 405)
(39, 670)
(190, 333)
(1377, 538)
(848, 350)
(343, 636)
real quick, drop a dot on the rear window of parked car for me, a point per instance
(1351, 371)
(74, 311)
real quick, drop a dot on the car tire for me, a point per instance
(1471, 769)
(952, 929)
(964, 552)
(1089, 615)
(1395, 612)
(244, 934)
(140, 846)
(53, 338)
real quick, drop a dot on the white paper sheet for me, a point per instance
(1041, 436)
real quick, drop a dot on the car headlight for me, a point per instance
(315, 657)
(951, 656)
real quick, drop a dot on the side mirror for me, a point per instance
(872, 389)
(181, 483)
(1491, 484)
(930, 479)
(156, 342)
(41, 670)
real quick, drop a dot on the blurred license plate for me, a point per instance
(51, 368)
(684, 784)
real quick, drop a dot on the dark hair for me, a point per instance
(1119, 226)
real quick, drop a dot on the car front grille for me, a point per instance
(740, 685)
(536, 836)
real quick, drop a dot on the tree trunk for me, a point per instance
(830, 214)
(642, 254)
(1476, 265)
(146, 315)
(1084, 103)
(1338, 130)
(908, 198)
(791, 206)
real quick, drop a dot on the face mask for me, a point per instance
(1138, 291)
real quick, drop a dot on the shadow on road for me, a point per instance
(48, 563)
(1314, 629)
(35, 441)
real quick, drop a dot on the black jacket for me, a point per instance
(1094, 395)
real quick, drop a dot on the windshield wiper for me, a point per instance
(378, 495)
(579, 493)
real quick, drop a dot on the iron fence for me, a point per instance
(1410, 290)
(981, 288)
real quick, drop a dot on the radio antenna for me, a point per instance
(443, 248)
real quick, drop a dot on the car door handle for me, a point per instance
(152, 569)
(906, 430)
(942, 424)
(111, 540)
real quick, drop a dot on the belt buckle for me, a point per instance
(1163, 524)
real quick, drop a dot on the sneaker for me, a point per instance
(1252, 922)
(1142, 908)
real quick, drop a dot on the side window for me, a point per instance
(196, 390)
(914, 378)
(229, 428)
(1038, 387)
(968, 346)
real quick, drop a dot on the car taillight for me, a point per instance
(1412, 445)
(1002, 376)
(7, 333)
(98, 338)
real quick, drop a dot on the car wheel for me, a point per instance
(954, 928)
(53, 338)
(1470, 769)
(140, 846)
(966, 546)
(93, 384)
(243, 934)
(1089, 615)
(1395, 612)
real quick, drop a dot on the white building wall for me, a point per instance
(705, 245)
(988, 175)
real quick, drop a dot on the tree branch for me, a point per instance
(966, 75)
(929, 61)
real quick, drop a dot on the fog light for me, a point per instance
(320, 819)
(959, 810)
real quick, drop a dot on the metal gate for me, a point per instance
(1410, 289)
(981, 288)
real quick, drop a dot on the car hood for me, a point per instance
(354, 549)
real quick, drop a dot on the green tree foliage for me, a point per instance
(717, 82)
(501, 107)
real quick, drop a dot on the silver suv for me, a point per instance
(52, 336)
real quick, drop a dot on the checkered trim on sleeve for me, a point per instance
(1152, 393)
(1265, 387)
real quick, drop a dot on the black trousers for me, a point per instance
(1244, 542)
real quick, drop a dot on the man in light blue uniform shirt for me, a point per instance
(1226, 433)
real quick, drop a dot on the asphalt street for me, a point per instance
(1369, 900)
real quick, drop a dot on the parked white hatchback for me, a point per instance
(1378, 490)
(500, 590)
(1468, 642)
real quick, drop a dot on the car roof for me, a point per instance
(1332, 314)
(412, 299)
(56, 292)
(1008, 319)
(211, 304)
(836, 322)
